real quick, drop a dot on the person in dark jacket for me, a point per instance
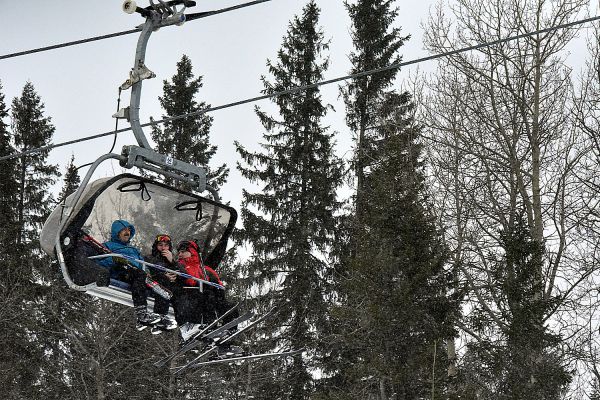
(162, 254)
(122, 232)
(84, 271)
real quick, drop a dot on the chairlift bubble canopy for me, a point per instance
(152, 207)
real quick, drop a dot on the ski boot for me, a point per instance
(165, 324)
(144, 318)
(187, 330)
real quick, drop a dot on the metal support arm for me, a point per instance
(155, 19)
(157, 16)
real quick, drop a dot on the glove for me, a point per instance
(119, 260)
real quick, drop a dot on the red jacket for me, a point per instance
(192, 267)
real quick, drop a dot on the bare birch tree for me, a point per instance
(506, 149)
(584, 305)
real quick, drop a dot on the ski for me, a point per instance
(198, 339)
(212, 348)
(246, 358)
(193, 341)
(217, 332)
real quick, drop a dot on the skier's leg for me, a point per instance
(187, 307)
(161, 307)
(188, 313)
(222, 305)
(137, 279)
(208, 304)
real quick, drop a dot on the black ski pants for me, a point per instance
(136, 278)
(202, 307)
(84, 271)
(161, 305)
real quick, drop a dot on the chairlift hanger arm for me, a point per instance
(157, 16)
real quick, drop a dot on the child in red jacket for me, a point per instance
(189, 256)
(200, 308)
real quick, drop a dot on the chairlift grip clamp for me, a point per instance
(165, 165)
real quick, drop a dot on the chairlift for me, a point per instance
(151, 206)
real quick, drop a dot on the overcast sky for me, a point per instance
(79, 84)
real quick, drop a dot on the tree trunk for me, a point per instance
(249, 382)
(21, 216)
(360, 170)
(382, 392)
(538, 228)
(99, 377)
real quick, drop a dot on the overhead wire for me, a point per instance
(192, 17)
(313, 85)
(67, 44)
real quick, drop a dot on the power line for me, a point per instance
(311, 86)
(189, 17)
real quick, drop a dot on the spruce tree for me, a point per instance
(33, 177)
(290, 222)
(525, 360)
(8, 185)
(32, 129)
(187, 139)
(11, 295)
(530, 345)
(376, 44)
(394, 312)
(71, 180)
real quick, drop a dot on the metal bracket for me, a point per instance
(123, 113)
(164, 165)
(137, 74)
(164, 13)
